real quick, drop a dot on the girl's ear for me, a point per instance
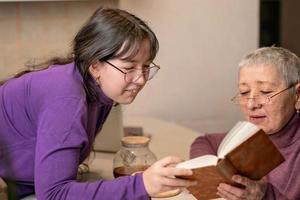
(94, 69)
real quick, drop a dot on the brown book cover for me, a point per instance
(254, 158)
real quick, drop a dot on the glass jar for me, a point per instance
(133, 156)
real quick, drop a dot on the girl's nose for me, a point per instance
(140, 79)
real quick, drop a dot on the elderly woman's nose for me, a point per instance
(252, 103)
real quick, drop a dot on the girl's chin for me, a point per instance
(125, 101)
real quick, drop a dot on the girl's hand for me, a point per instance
(254, 190)
(160, 177)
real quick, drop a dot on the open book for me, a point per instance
(246, 150)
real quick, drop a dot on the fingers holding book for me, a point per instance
(160, 179)
(252, 190)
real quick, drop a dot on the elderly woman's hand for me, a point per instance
(160, 178)
(254, 190)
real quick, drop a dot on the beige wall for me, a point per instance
(201, 42)
(31, 31)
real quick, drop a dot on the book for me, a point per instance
(245, 150)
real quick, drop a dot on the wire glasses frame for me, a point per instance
(133, 75)
(242, 100)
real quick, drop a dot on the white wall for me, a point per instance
(201, 42)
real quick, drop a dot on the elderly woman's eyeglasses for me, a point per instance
(133, 75)
(242, 99)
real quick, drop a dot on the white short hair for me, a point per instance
(286, 62)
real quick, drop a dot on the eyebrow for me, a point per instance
(260, 83)
(133, 60)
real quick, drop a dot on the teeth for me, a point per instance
(132, 91)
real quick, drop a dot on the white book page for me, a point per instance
(229, 136)
(237, 135)
(202, 161)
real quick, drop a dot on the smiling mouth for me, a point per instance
(132, 91)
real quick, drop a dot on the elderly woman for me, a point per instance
(268, 96)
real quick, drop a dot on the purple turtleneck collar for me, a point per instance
(103, 99)
(289, 134)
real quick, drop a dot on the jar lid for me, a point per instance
(135, 141)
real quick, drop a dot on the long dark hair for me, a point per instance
(107, 34)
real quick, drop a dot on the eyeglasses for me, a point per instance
(134, 74)
(242, 99)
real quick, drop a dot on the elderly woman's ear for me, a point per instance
(297, 106)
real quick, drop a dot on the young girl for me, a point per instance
(49, 115)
